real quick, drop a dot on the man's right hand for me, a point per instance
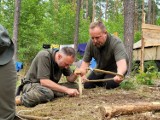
(72, 92)
(80, 71)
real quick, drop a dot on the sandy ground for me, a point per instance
(86, 106)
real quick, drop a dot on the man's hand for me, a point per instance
(118, 79)
(80, 71)
(72, 92)
(84, 78)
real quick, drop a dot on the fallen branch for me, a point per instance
(29, 117)
(112, 111)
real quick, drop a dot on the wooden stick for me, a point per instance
(80, 85)
(112, 111)
(100, 80)
(29, 117)
(108, 72)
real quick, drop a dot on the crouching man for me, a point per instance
(41, 81)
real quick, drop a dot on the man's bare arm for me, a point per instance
(54, 86)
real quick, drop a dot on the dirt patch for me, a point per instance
(85, 107)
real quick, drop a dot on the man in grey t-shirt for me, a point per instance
(109, 53)
(41, 81)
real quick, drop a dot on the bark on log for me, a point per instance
(107, 112)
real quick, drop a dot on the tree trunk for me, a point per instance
(86, 8)
(100, 11)
(106, 10)
(94, 10)
(154, 13)
(82, 4)
(136, 17)
(129, 7)
(149, 11)
(112, 111)
(15, 28)
(77, 25)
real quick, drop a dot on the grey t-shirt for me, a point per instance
(106, 56)
(41, 67)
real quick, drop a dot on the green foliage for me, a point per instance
(53, 22)
(31, 32)
(64, 24)
(83, 30)
(6, 14)
(128, 84)
(116, 25)
(147, 78)
(158, 21)
(137, 36)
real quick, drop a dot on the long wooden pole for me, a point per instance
(107, 72)
(100, 80)
(142, 40)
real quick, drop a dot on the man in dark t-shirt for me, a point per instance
(41, 81)
(109, 53)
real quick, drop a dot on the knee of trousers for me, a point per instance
(37, 96)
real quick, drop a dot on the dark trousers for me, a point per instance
(34, 93)
(110, 84)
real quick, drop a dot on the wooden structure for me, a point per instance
(150, 47)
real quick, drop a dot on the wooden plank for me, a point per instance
(149, 26)
(151, 34)
(149, 53)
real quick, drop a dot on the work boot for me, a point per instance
(18, 100)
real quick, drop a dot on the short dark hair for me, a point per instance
(69, 51)
(98, 24)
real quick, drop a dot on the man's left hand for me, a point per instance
(118, 79)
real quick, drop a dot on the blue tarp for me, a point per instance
(81, 48)
(93, 63)
(19, 66)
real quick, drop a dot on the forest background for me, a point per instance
(55, 21)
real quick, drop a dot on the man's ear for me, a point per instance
(59, 56)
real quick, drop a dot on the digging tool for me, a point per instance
(106, 72)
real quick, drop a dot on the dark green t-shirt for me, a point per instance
(106, 56)
(41, 67)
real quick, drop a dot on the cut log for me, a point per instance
(107, 112)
